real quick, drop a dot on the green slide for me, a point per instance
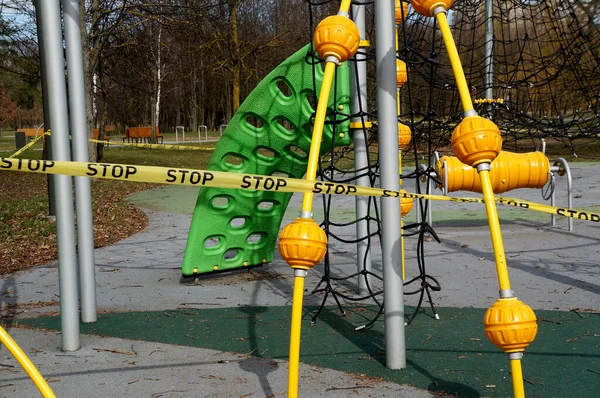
(269, 135)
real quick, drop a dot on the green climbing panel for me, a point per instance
(270, 135)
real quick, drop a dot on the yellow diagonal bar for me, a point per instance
(345, 6)
(317, 135)
(494, 224)
(459, 74)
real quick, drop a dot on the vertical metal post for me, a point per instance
(49, 12)
(358, 86)
(47, 139)
(393, 289)
(83, 192)
(489, 53)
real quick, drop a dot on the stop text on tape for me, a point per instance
(220, 179)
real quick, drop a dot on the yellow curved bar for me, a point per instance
(295, 337)
(317, 135)
(517, 378)
(497, 243)
(27, 365)
(459, 74)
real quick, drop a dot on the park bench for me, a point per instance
(141, 134)
(32, 133)
(96, 132)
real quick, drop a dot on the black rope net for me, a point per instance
(545, 83)
(545, 79)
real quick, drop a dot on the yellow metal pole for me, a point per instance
(517, 378)
(336, 40)
(317, 135)
(401, 220)
(400, 172)
(496, 235)
(459, 74)
(345, 6)
(523, 334)
(27, 365)
(295, 336)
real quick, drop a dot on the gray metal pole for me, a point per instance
(489, 53)
(393, 289)
(83, 192)
(47, 140)
(358, 85)
(49, 11)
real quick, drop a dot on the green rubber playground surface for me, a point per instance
(450, 355)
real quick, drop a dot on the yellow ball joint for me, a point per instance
(406, 204)
(337, 36)
(426, 7)
(476, 140)
(401, 73)
(510, 324)
(399, 8)
(404, 136)
(302, 243)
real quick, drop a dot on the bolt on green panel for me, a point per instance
(269, 135)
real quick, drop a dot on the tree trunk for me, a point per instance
(236, 62)
(90, 60)
(157, 86)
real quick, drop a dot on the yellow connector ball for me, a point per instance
(510, 324)
(302, 243)
(476, 140)
(401, 73)
(337, 36)
(398, 11)
(426, 7)
(404, 136)
(406, 204)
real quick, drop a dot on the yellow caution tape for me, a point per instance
(220, 179)
(156, 146)
(32, 143)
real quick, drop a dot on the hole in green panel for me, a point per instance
(237, 222)
(266, 154)
(284, 88)
(266, 205)
(233, 161)
(278, 173)
(255, 120)
(213, 242)
(232, 254)
(311, 100)
(297, 152)
(221, 202)
(284, 128)
(287, 125)
(256, 238)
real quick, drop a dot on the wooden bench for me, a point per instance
(96, 133)
(31, 133)
(141, 134)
